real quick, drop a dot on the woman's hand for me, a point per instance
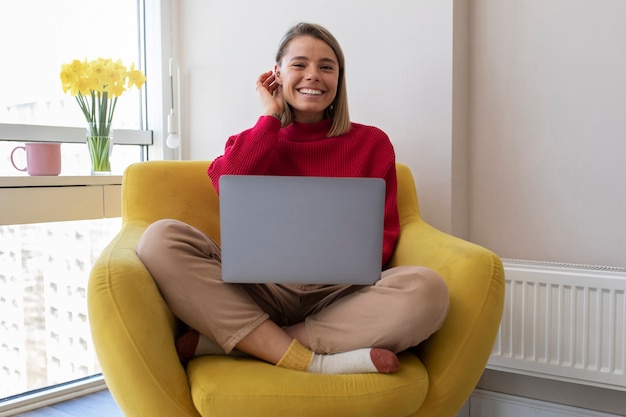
(270, 94)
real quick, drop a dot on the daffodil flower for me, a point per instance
(97, 85)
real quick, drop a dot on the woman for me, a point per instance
(304, 129)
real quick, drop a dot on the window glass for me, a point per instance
(40, 35)
(45, 337)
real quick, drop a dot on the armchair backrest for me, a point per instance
(156, 184)
(150, 188)
(408, 202)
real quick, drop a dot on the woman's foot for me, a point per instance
(191, 344)
(186, 346)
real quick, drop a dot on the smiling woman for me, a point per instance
(311, 61)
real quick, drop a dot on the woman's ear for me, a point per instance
(277, 74)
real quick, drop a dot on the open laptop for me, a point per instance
(306, 230)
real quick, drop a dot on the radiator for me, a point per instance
(563, 321)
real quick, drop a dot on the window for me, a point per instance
(45, 340)
(33, 106)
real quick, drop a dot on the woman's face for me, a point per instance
(308, 74)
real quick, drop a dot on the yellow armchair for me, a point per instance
(134, 330)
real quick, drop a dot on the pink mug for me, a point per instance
(42, 158)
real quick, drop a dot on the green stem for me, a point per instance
(99, 117)
(102, 114)
(84, 106)
(100, 153)
(112, 109)
(93, 106)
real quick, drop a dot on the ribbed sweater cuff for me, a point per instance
(268, 122)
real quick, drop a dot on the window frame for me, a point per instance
(43, 133)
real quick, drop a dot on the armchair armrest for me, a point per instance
(136, 351)
(456, 355)
(132, 327)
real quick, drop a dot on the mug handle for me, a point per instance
(13, 162)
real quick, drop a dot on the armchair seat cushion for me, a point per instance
(230, 386)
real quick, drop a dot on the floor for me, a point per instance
(99, 404)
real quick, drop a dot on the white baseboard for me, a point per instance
(492, 404)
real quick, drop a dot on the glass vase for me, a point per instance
(100, 145)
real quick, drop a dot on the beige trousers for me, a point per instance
(403, 308)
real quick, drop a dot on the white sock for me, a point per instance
(355, 362)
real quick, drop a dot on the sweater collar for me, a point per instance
(307, 132)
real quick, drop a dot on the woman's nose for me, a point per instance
(312, 74)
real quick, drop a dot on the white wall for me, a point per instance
(511, 114)
(548, 129)
(398, 69)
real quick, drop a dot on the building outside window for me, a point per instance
(45, 338)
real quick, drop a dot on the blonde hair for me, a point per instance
(338, 110)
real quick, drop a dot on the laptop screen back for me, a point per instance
(308, 230)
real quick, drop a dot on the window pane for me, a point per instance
(40, 35)
(44, 329)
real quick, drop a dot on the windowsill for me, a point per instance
(59, 181)
(52, 395)
(25, 200)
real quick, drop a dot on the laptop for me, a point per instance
(301, 230)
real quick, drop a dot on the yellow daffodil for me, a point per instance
(135, 77)
(97, 84)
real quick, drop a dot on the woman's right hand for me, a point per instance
(270, 94)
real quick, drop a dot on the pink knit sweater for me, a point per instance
(304, 149)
